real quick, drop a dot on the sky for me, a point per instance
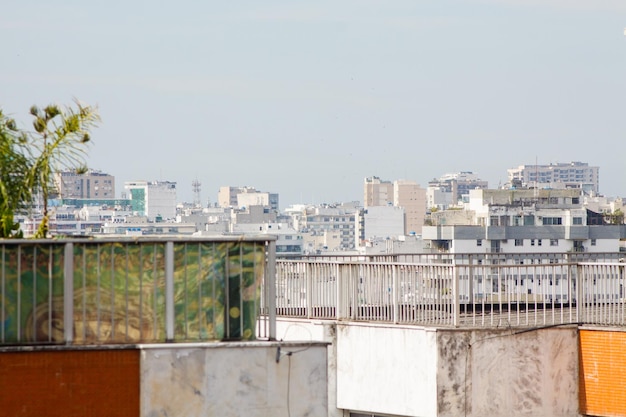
(307, 98)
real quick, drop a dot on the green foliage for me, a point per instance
(617, 217)
(29, 159)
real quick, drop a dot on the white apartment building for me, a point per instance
(401, 193)
(233, 196)
(451, 187)
(336, 222)
(572, 175)
(379, 223)
(522, 221)
(153, 199)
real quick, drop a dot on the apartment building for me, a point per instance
(337, 223)
(522, 221)
(572, 175)
(91, 184)
(448, 189)
(234, 196)
(400, 193)
(377, 192)
(154, 199)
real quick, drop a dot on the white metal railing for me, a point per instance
(494, 294)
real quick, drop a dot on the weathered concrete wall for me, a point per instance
(508, 373)
(319, 330)
(387, 369)
(428, 372)
(234, 379)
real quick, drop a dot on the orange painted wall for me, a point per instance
(69, 383)
(602, 373)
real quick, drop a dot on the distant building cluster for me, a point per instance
(541, 208)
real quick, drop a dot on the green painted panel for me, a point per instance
(119, 292)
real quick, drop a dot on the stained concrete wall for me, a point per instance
(419, 371)
(234, 379)
(508, 373)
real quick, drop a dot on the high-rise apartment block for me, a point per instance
(229, 196)
(153, 199)
(412, 198)
(572, 175)
(453, 187)
(91, 184)
(377, 192)
(402, 193)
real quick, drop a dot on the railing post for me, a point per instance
(68, 293)
(169, 291)
(308, 289)
(271, 288)
(580, 293)
(340, 282)
(456, 301)
(394, 293)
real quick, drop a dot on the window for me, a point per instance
(479, 242)
(519, 242)
(577, 220)
(552, 221)
(593, 242)
(538, 242)
(554, 242)
(532, 242)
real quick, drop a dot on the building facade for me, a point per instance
(233, 196)
(450, 188)
(522, 221)
(153, 199)
(572, 175)
(91, 184)
(377, 192)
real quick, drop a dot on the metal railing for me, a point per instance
(495, 294)
(93, 291)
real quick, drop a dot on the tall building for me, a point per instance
(231, 196)
(377, 192)
(153, 199)
(453, 187)
(91, 184)
(401, 193)
(412, 198)
(572, 175)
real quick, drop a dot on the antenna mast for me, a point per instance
(196, 185)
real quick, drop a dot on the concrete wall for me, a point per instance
(387, 370)
(418, 371)
(234, 379)
(508, 373)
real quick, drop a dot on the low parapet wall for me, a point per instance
(254, 379)
(401, 370)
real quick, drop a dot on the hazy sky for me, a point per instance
(307, 98)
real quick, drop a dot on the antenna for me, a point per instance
(195, 185)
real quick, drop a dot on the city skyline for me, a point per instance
(306, 100)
